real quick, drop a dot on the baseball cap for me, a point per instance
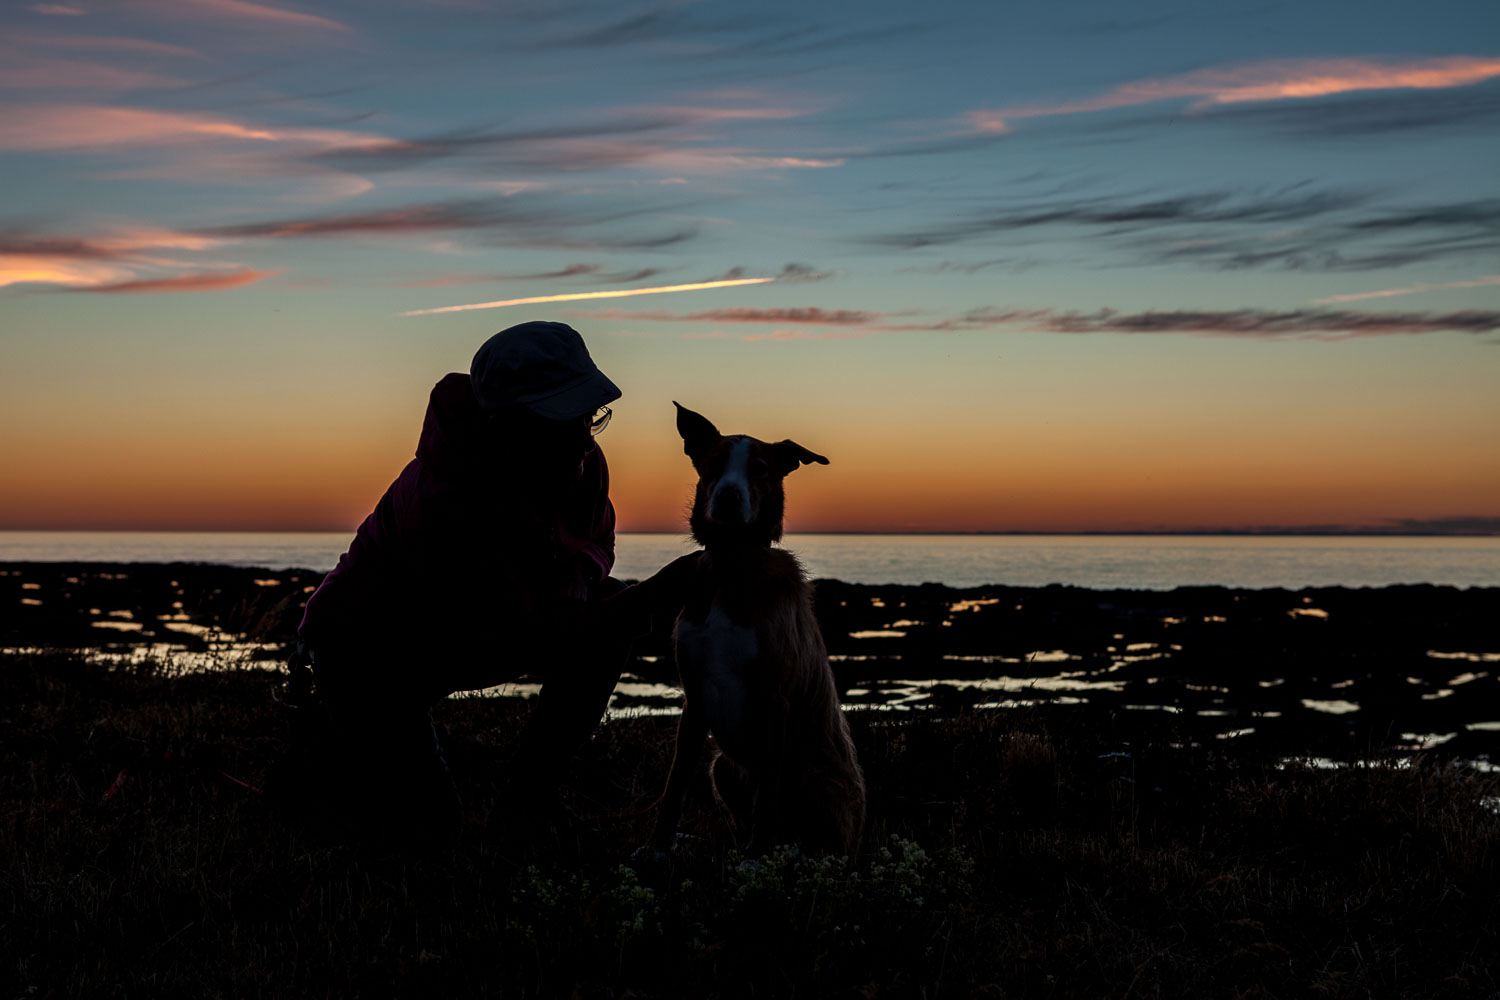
(542, 366)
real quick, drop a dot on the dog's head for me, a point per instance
(739, 496)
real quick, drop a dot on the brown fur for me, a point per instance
(788, 772)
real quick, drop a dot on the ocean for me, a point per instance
(1145, 562)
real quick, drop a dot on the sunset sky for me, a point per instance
(1033, 266)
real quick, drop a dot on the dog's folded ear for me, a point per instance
(696, 430)
(790, 456)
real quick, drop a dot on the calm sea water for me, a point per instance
(1155, 562)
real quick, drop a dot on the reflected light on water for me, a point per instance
(1333, 707)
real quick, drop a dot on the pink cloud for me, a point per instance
(705, 161)
(36, 128)
(57, 9)
(1273, 80)
(245, 11)
(21, 268)
(810, 315)
(690, 114)
(24, 73)
(185, 283)
(808, 335)
(1385, 293)
(90, 261)
(102, 43)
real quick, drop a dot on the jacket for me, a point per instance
(450, 555)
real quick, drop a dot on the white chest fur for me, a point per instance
(716, 657)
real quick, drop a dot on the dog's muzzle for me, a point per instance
(729, 505)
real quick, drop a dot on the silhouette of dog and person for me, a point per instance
(487, 558)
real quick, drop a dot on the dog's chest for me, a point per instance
(716, 657)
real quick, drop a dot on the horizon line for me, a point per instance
(935, 533)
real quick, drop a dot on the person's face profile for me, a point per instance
(543, 446)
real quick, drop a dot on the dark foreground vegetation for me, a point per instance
(1046, 851)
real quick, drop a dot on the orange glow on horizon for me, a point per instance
(1089, 462)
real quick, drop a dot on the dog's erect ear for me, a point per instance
(697, 433)
(789, 456)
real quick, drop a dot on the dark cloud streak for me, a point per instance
(510, 221)
(1119, 216)
(1316, 229)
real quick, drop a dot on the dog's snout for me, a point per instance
(728, 504)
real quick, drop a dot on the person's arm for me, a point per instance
(653, 604)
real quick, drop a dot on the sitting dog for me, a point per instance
(753, 665)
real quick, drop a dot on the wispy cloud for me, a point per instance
(715, 161)
(571, 271)
(1257, 324)
(213, 282)
(244, 11)
(519, 220)
(47, 269)
(1120, 215)
(591, 271)
(25, 64)
(100, 43)
(1273, 80)
(398, 221)
(1356, 117)
(56, 9)
(1385, 293)
(793, 273)
(1294, 228)
(1013, 264)
(780, 335)
(631, 137)
(809, 315)
(695, 36)
(93, 260)
(577, 296)
(37, 128)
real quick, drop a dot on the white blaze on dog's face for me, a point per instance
(739, 477)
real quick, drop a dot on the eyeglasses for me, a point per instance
(600, 420)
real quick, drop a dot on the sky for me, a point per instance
(1056, 267)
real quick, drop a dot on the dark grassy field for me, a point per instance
(1054, 851)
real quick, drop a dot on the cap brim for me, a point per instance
(579, 398)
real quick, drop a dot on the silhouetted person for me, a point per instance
(476, 566)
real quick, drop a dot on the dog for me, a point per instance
(752, 662)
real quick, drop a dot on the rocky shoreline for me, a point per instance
(1329, 672)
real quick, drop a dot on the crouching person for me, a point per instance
(487, 558)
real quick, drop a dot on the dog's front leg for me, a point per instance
(766, 825)
(692, 733)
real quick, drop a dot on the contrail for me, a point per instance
(619, 293)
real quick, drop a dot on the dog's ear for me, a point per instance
(697, 433)
(789, 456)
